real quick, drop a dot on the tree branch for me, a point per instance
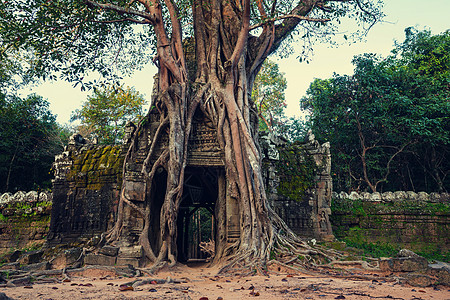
(288, 17)
(121, 9)
(123, 20)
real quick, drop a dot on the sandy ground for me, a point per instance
(200, 283)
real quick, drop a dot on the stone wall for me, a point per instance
(306, 209)
(24, 219)
(85, 190)
(417, 221)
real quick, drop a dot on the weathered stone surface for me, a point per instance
(32, 196)
(99, 259)
(440, 270)
(123, 261)
(407, 253)
(125, 270)
(131, 252)
(354, 196)
(420, 280)
(109, 250)
(400, 196)
(67, 257)
(5, 198)
(307, 215)
(19, 196)
(422, 196)
(36, 267)
(85, 191)
(404, 264)
(375, 197)
(31, 257)
(388, 196)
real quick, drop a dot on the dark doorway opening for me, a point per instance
(196, 221)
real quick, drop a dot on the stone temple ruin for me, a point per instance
(88, 181)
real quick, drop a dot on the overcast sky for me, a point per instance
(400, 14)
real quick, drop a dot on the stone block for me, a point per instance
(123, 261)
(131, 252)
(67, 257)
(99, 259)
(36, 267)
(125, 270)
(404, 264)
(420, 280)
(31, 257)
(441, 271)
(109, 250)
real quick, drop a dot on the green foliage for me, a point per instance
(74, 37)
(29, 139)
(268, 95)
(106, 112)
(368, 213)
(297, 170)
(388, 124)
(357, 240)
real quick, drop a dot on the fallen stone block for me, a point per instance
(126, 270)
(123, 261)
(31, 257)
(441, 271)
(131, 252)
(36, 267)
(99, 259)
(404, 264)
(109, 250)
(67, 257)
(420, 280)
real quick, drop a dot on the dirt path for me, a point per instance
(201, 283)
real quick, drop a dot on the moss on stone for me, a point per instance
(92, 168)
(297, 171)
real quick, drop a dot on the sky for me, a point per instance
(326, 60)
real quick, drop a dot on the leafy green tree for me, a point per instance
(106, 112)
(268, 95)
(389, 113)
(29, 141)
(208, 54)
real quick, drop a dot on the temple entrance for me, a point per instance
(196, 221)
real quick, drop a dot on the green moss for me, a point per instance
(91, 165)
(297, 170)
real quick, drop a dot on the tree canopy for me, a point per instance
(106, 112)
(268, 95)
(389, 123)
(29, 140)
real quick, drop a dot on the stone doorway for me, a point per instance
(196, 222)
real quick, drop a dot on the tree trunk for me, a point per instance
(220, 86)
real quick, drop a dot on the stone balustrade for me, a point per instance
(24, 219)
(394, 196)
(31, 197)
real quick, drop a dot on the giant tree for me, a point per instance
(208, 53)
